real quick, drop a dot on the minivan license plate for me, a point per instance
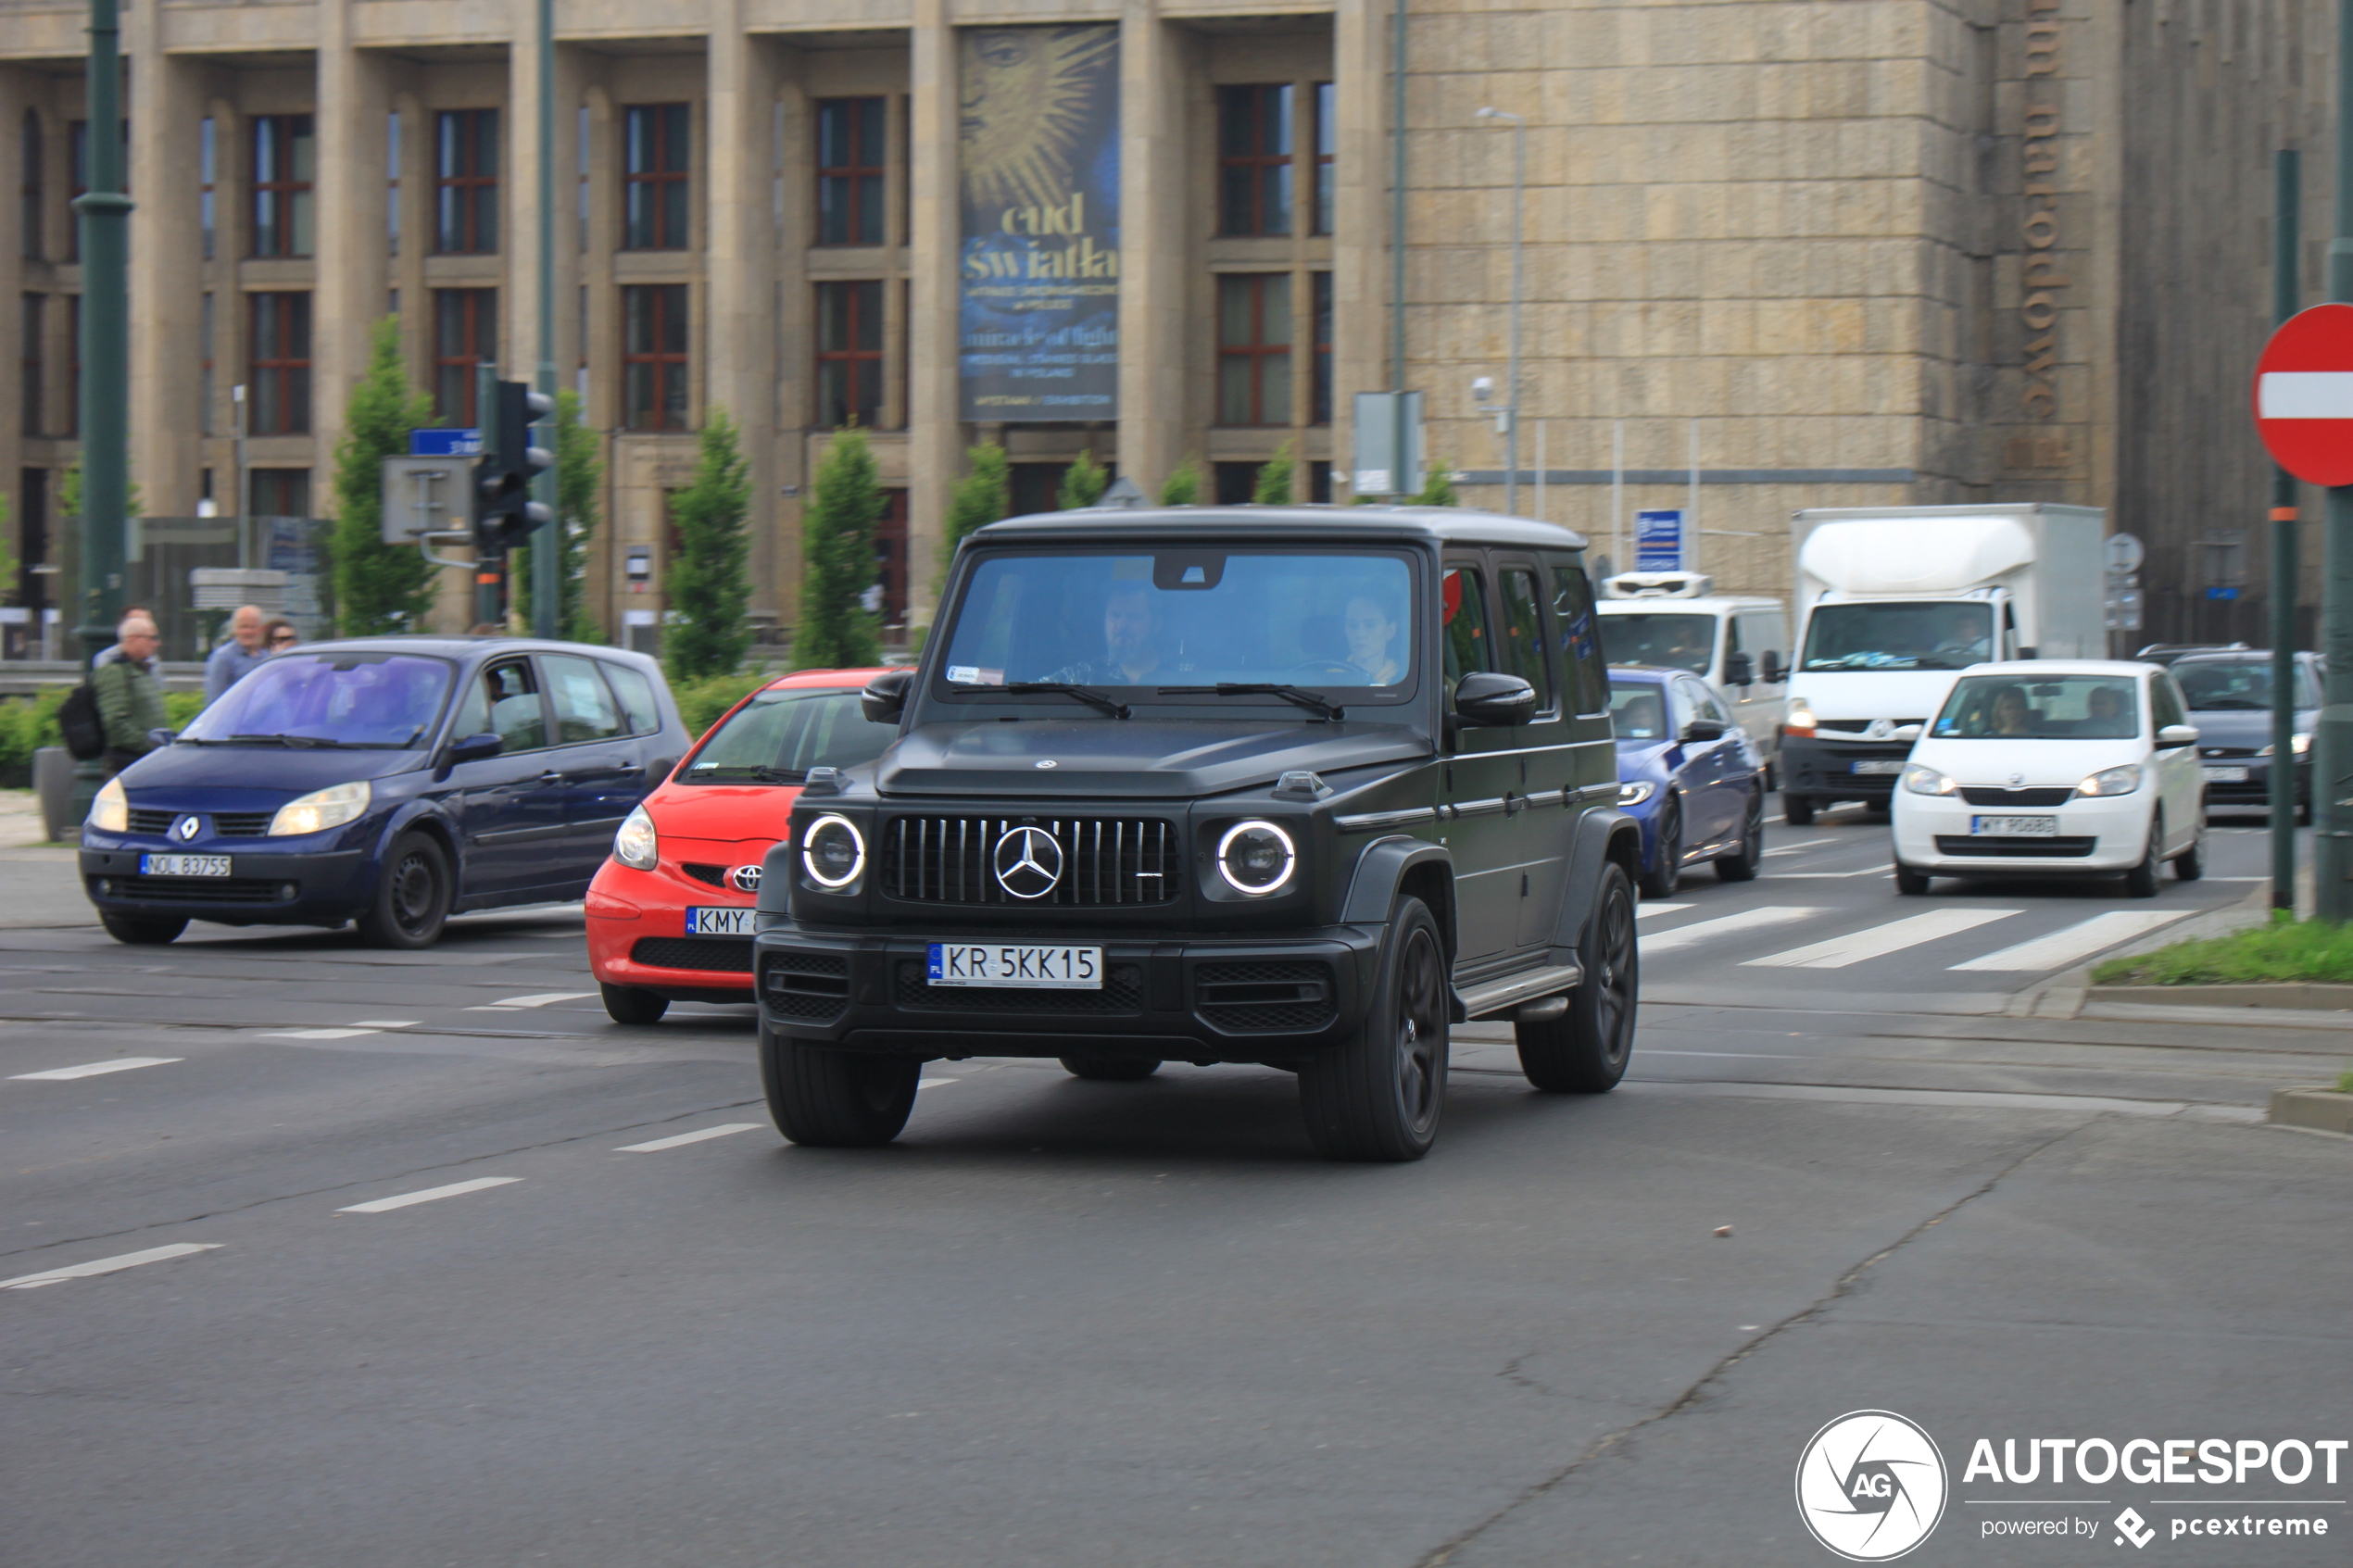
(183, 865)
(2014, 827)
(707, 921)
(1062, 969)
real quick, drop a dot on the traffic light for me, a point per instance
(504, 513)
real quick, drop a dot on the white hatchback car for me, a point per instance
(2049, 768)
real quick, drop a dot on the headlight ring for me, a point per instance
(833, 852)
(1256, 857)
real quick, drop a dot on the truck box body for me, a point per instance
(1894, 602)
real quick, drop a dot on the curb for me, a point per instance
(2063, 996)
(2322, 1110)
(2305, 996)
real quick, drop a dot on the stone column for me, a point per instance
(1360, 221)
(518, 178)
(935, 437)
(740, 267)
(1152, 247)
(348, 231)
(166, 301)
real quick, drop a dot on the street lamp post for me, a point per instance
(1510, 410)
(548, 557)
(2332, 736)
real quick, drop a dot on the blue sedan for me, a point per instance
(387, 781)
(1687, 773)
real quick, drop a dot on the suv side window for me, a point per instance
(584, 706)
(510, 694)
(1580, 639)
(1523, 633)
(1468, 647)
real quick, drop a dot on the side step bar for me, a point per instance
(1490, 996)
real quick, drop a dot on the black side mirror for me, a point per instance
(475, 748)
(1705, 729)
(1485, 697)
(1738, 669)
(161, 738)
(885, 698)
(1774, 670)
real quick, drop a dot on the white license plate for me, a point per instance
(703, 920)
(2014, 827)
(183, 865)
(1059, 969)
(1877, 765)
(2227, 775)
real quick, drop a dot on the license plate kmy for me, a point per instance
(712, 921)
(1003, 963)
(2227, 775)
(1877, 765)
(183, 865)
(2014, 827)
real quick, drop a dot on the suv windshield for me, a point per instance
(1897, 637)
(2070, 707)
(1187, 617)
(1679, 642)
(779, 736)
(360, 699)
(2236, 684)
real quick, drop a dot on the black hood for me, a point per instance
(2249, 729)
(1134, 758)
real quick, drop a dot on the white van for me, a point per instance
(1738, 645)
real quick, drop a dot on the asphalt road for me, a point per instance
(1063, 1323)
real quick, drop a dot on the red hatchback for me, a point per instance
(670, 911)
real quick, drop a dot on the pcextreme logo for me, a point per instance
(1871, 1485)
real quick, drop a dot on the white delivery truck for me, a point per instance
(1738, 644)
(1894, 602)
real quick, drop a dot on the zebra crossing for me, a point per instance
(1881, 938)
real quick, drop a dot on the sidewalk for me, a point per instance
(39, 883)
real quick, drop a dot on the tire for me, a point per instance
(1909, 882)
(1111, 1069)
(1665, 872)
(1378, 1095)
(1585, 1051)
(1883, 813)
(143, 931)
(2190, 864)
(627, 1003)
(1743, 866)
(2141, 881)
(1797, 811)
(835, 1099)
(412, 896)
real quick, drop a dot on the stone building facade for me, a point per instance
(1813, 252)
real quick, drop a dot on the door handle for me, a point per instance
(551, 776)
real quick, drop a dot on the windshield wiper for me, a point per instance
(1086, 695)
(760, 772)
(1322, 707)
(305, 743)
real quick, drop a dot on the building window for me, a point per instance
(207, 180)
(465, 335)
(32, 372)
(279, 401)
(70, 420)
(654, 171)
(204, 368)
(1254, 348)
(1320, 285)
(392, 183)
(851, 146)
(849, 351)
(465, 182)
(1326, 145)
(581, 138)
(1254, 159)
(77, 181)
(284, 163)
(653, 355)
(280, 492)
(32, 187)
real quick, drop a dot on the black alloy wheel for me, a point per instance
(823, 1098)
(629, 1004)
(1585, 1051)
(1111, 1069)
(1741, 864)
(143, 931)
(1378, 1095)
(413, 894)
(1665, 872)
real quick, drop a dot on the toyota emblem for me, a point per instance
(1028, 862)
(746, 878)
(186, 828)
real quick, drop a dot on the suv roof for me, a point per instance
(1319, 524)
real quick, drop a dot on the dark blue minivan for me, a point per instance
(390, 781)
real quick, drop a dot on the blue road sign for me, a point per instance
(1658, 540)
(2221, 593)
(444, 444)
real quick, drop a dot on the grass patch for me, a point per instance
(2344, 1081)
(2282, 950)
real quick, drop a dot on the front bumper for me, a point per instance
(1824, 769)
(2097, 838)
(1174, 996)
(2254, 793)
(636, 923)
(263, 887)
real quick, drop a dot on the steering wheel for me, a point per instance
(1314, 667)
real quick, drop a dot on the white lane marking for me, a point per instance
(1811, 876)
(406, 1199)
(680, 1140)
(1805, 843)
(1644, 911)
(935, 1082)
(538, 999)
(2304, 394)
(108, 1265)
(2080, 940)
(1707, 930)
(92, 1068)
(384, 1023)
(314, 1033)
(1878, 941)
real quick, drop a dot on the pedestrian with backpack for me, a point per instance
(129, 692)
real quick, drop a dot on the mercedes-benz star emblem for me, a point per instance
(746, 878)
(186, 828)
(1028, 862)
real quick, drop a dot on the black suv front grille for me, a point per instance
(1123, 991)
(814, 987)
(717, 955)
(1107, 861)
(2059, 797)
(1257, 995)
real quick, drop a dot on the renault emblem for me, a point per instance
(745, 879)
(1028, 862)
(186, 828)
(1881, 729)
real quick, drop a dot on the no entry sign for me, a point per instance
(2304, 394)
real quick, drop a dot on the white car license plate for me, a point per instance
(2014, 827)
(1060, 968)
(1877, 765)
(183, 865)
(2227, 775)
(708, 920)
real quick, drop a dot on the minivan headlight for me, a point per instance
(110, 812)
(833, 852)
(1635, 793)
(2112, 780)
(637, 845)
(1256, 857)
(1799, 721)
(321, 810)
(1920, 779)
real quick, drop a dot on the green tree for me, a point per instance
(978, 499)
(707, 586)
(379, 587)
(70, 493)
(1083, 483)
(1272, 487)
(1183, 486)
(580, 476)
(1438, 487)
(836, 631)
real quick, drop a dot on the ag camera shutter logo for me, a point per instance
(1871, 1485)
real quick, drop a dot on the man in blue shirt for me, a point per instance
(233, 659)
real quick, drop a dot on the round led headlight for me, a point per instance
(1255, 857)
(833, 852)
